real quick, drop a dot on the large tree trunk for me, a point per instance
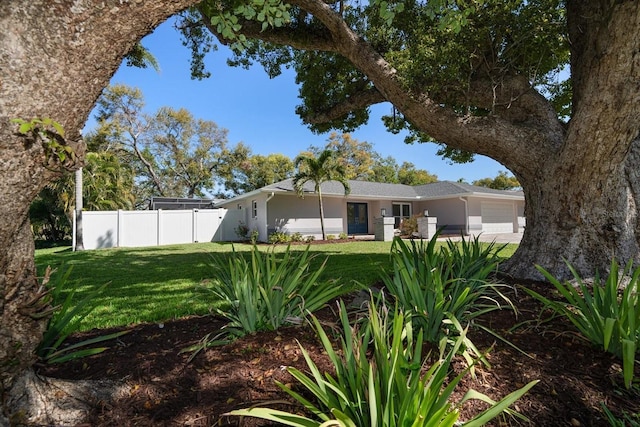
(55, 59)
(582, 203)
(584, 221)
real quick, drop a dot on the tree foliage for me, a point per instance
(172, 153)
(408, 174)
(140, 57)
(502, 181)
(448, 49)
(355, 157)
(245, 172)
(361, 162)
(186, 151)
(48, 217)
(107, 182)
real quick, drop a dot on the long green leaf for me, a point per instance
(498, 408)
(281, 417)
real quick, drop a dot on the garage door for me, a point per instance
(497, 217)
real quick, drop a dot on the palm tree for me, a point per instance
(318, 170)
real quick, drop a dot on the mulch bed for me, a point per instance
(163, 389)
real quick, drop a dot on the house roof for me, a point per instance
(377, 190)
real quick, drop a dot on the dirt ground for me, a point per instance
(164, 390)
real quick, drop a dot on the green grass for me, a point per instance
(161, 283)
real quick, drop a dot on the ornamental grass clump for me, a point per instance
(380, 379)
(441, 286)
(270, 290)
(607, 313)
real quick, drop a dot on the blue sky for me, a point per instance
(260, 111)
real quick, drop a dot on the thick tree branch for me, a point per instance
(300, 36)
(513, 99)
(521, 123)
(492, 135)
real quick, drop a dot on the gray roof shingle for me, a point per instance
(399, 191)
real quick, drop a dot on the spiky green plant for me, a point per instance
(380, 380)
(448, 283)
(607, 313)
(65, 318)
(269, 290)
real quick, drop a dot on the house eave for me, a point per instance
(475, 194)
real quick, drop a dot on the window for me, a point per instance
(400, 212)
(254, 209)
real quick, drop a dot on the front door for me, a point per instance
(357, 218)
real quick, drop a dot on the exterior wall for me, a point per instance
(291, 214)
(450, 214)
(387, 205)
(241, 214)
(521, 218)
(257, 220)
(474, 206)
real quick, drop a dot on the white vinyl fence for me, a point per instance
(108, 229)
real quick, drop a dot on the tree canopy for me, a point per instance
(502, 181)
(361, 162)
(172, 153)
(470, 56)
(545, 87)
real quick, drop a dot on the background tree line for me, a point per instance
(133, 156)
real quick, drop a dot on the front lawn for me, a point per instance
(161, 283)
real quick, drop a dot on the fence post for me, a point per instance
(194, 225)
(73, 232)
(119, 227)
(159, 228)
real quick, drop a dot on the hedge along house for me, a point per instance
(458, 207)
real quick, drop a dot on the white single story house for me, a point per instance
(458, 207)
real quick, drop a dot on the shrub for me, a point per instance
(440, 286)
(268, 291)
(331, 237)
(253, 237)
(242, 230)
(309, 239)
(343, 236)
(379, 380)
(297, 237)
(609, 316)
(279, 237)
(408, 226)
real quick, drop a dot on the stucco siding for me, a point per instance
(521, 218)
(474, 210)
(291, 214)
(450, 214)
